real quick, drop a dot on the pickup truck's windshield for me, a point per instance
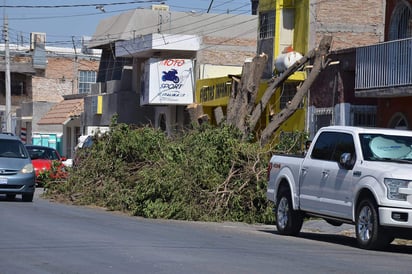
(380, 147)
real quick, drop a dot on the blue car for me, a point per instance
(17, 175)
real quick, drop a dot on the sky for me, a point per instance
(66, 21)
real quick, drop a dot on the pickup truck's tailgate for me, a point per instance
(283, 167)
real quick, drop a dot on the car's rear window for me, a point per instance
(12, 149)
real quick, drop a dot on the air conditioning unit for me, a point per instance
(160, 7)
(37, 39)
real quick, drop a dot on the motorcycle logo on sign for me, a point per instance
(170, 75)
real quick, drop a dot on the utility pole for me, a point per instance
(75, 68)
(7, 74)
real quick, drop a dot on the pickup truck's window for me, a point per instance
(344, 144)
(331, 145)
(324, 146)
(380, 147)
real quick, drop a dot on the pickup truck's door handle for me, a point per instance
(325, 173)
(304, 171)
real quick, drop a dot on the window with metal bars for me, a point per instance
(267, 24)
(288, 92)
(364, 116)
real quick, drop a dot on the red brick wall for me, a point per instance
(60, 78)
(59, 67)
(352, 23)
(51, 90)
(224, 51)
(388, 107)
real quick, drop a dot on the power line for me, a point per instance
(63, 16)
(193, 26)
(137, 30)
(78, 5)
(209, 20)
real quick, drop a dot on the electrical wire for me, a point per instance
(78, 5)
(89, 14)
(193, 27)
(218, 22)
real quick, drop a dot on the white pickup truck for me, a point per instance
(360, 176)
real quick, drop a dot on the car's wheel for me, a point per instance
(28, 197)
(11, 196)
(369, 233)
(288, 220)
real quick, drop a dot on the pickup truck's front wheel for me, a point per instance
(369, 233)
(288, 220)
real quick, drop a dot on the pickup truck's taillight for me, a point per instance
(269, 169)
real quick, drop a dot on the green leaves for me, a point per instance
(207, 174)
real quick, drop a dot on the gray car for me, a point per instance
(17, 175)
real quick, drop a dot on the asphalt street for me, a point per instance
(312, 225)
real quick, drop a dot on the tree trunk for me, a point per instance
(319, 65)
(243, 97)
(273, 85)
(242, 111)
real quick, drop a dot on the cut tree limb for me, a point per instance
(273, 85)
(243, 98)
(320, 55)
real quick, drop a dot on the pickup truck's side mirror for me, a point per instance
(347, 160)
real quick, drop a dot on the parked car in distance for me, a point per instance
(17, 176)
(42, 158)
(85, 142)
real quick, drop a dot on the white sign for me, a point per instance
(168, 82)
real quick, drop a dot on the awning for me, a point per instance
(61, 112)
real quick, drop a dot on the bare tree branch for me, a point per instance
(319, 65)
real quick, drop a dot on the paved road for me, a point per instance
(44, 237)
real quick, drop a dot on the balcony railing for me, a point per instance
(384, 66)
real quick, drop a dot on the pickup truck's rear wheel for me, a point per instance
(369, 233)
(288, 220)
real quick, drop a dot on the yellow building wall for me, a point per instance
(212, 93)
(302, 21)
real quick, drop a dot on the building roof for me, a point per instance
(63, 111)
(25, 49)
(140, 22)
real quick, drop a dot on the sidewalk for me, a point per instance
(321, 226)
